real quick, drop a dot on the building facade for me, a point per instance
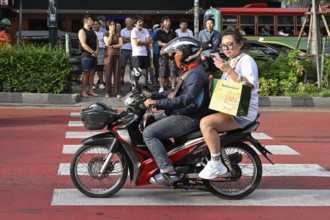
(35, 13)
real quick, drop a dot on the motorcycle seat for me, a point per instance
(197, 133)
(190, 136)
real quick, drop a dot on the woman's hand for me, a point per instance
(222, 65)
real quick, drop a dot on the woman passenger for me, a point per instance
(240, 68)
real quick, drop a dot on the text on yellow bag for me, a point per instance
(230, 97)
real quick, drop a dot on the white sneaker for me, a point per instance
(161, 89)
(212, 170)
(101, 86)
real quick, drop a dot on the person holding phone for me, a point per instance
(240, 68)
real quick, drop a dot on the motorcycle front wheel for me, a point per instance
(85, 171)
(245, 178)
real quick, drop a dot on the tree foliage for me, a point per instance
(299, 2)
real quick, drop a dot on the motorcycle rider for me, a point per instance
(185, 107)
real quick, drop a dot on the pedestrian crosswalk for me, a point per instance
(170, 197)
(288, 196)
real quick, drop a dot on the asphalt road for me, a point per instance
(37, 145)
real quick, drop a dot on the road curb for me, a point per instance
(287, 102)
(39, 98)
(12, 98)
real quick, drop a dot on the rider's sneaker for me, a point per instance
(165, 178)
(213, 170)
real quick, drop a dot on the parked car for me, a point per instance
(262, 51)
(285, 48)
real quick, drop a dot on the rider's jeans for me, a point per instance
(168, 127)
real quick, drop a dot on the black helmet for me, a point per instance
(188, 46)
(136, 74)
(97, 116)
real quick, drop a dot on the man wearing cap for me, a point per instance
(126, 50)
(183, 31)
(140, 40)
(5, 40)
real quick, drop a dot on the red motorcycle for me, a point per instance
(100, 167)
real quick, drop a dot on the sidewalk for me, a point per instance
(75, 100)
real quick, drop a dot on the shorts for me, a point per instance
(166, 64)
(125, 57)
(100, 57)
(88, 62)
(241, 122)
(142, 62)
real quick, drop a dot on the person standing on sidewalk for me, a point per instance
(89, 44)
(155, 51)
(100, 54)
(140, 39)
(5, 26)
(183, 31)
(163, 36)
(213, 37)
(113, 42)
(126, 50)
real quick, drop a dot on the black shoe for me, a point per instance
(166, 178)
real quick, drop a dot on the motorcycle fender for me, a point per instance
(103, 139)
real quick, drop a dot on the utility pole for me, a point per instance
(196, 17)
(316, 39)
(52, 22)
(20, 21)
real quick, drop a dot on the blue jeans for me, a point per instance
(165, 128)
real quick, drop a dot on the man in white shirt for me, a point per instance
(140, 39)
(126, 50)
(183, 31)
(100, 54)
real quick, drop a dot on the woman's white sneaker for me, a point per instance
(213, 170)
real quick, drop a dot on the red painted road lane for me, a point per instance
(31, 151)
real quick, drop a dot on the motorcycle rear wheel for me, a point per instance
(84, 171)
(247, 178)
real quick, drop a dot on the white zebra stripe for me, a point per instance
(170, 197)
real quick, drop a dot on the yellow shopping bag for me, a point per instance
(230, 97)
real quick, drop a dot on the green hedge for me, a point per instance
(34, 69)
(292, 75)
